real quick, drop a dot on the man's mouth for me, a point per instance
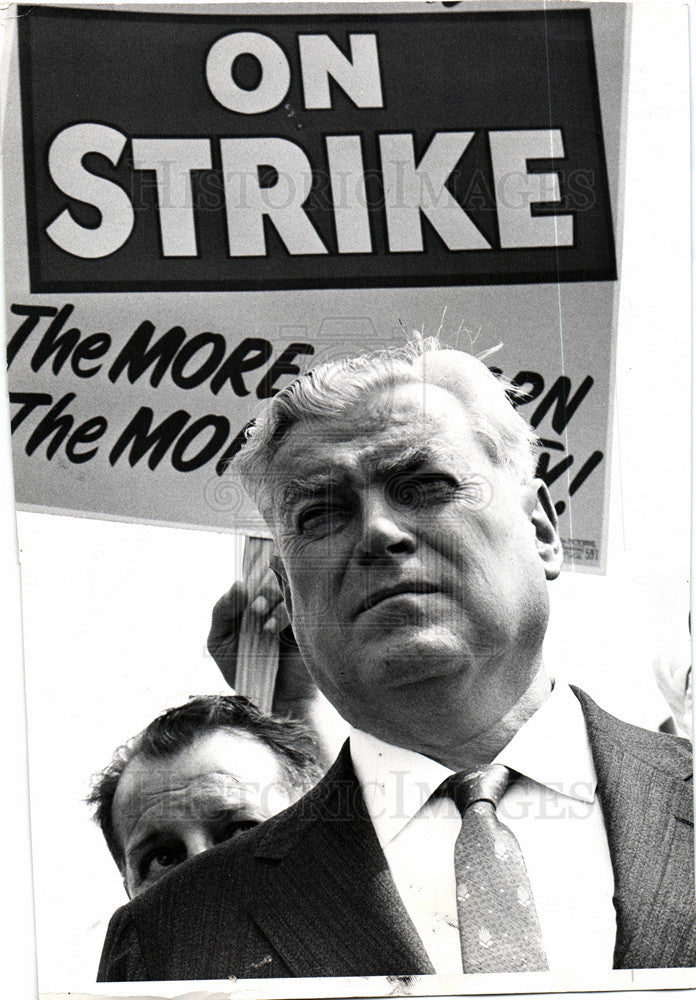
(395, 590)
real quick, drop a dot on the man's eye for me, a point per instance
(156, 862)
(320, 517)
(312, 515)
(421, 490)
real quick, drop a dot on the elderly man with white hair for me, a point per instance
(481, 818)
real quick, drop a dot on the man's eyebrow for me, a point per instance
(240, 813)
(304, 488)
(380, 468)
(150, 838)
(382, 462)
(408, 460)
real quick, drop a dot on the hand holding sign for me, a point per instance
(257, 608)
(264, 607)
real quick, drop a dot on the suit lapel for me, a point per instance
(646, 798)
(329, 905)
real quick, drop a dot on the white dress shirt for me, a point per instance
(553, 811)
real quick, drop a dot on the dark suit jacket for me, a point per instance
(309, 893)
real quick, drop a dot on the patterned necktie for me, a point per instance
(498, 924)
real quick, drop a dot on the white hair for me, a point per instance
(337, 386)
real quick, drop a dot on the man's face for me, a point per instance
(168, 810)
(413, 566)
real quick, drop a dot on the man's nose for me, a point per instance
(385, 530)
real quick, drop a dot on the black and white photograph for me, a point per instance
(349, 480)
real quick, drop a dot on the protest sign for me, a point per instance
(201, 206)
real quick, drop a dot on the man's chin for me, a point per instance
(425, 656)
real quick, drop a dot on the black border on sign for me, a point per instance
(39, 285)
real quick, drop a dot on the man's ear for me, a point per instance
(278, 567)
(542, 514)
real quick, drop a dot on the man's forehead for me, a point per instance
(165, 789)
(146, 790)
(365, 444)
(385, 422)
(222, 766)
(150, 805)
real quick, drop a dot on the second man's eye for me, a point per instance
(167, 858)
(157, 861)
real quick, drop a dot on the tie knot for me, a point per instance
(485, 785)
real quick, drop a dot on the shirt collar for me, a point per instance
(396, 783)
(551, 749)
